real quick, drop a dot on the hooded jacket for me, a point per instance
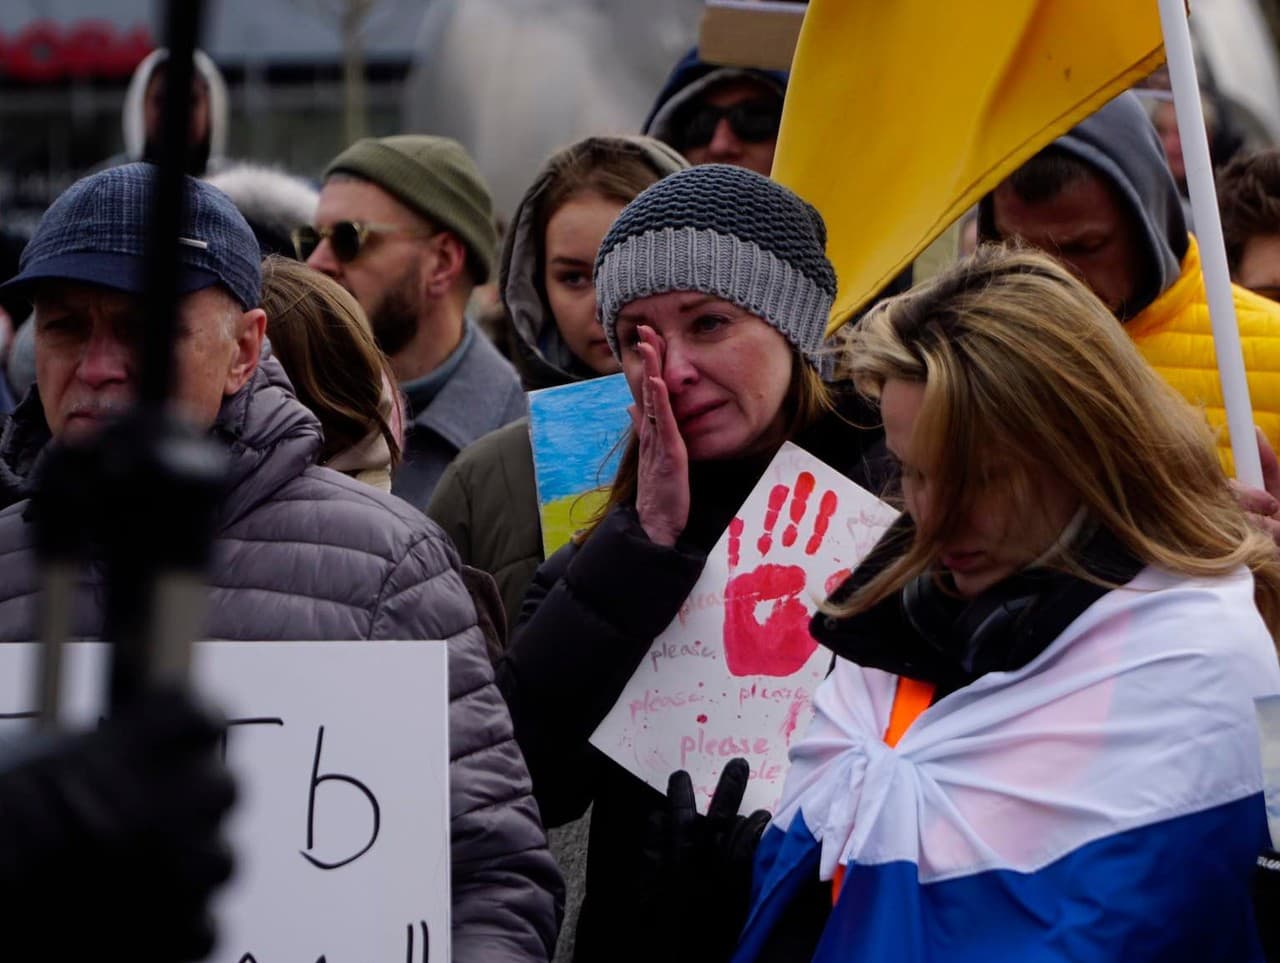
(690, 77)
(1169, 321)
(135, 132)
(545, 360)
(487, 499)
(302, 552)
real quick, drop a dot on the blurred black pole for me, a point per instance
(163, 478)
(182, 28)
(143, 494)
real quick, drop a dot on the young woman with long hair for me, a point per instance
(323, 339)
(487, 499)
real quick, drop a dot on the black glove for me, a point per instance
(705, 863)
(109, 842)
(1266, 903)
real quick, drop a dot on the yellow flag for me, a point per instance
(901, 114)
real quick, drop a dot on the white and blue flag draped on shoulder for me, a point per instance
(1102, 803)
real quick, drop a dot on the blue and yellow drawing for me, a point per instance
(576, 432)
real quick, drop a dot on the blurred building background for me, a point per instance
(65, 64)
(512, 79)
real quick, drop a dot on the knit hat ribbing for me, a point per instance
(435, 177)
(728, 232)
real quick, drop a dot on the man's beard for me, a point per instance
(194, 163)
(395, 320)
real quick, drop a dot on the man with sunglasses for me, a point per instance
(720, 115)
(405, 224)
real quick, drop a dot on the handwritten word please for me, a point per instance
(725, 747)
(768, 693)
(673, 650)
(656, 701)
(699, 602)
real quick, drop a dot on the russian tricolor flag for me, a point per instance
(1102, 803)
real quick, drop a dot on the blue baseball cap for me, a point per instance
(96, 233)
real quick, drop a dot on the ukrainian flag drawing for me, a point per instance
(577, 433)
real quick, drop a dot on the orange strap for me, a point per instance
(910, 699)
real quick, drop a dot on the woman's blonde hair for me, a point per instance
(326, 345)
(1025, 369)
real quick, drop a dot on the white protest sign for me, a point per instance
(734, 673)
(1268, 709)
(341, 828)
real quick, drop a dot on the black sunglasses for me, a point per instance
(345, 237)
(752, 121)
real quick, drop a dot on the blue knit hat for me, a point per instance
(728, 232)
(96, 232)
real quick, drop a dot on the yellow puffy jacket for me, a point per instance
(1175, 336)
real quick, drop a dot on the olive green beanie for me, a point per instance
(435, 177)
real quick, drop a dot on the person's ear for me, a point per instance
(444, 268)
(250, 329)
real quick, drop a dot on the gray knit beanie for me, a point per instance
(728, 232)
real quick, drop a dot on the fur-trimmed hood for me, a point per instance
(273, 201)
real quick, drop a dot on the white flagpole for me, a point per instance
(1213, 252)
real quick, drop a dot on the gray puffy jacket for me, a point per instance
(305, 553)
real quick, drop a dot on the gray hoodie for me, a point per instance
(1120, 143)
(544, 358)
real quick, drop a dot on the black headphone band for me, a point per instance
(1007, 626)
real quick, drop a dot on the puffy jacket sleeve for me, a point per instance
(587, 621)
(507, 892)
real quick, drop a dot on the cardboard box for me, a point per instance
(751, 33)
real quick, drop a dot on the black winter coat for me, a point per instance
(587, 621)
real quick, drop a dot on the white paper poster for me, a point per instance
(341, 755)
(734, 673)
(1268, 708)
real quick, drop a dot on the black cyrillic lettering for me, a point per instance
(316, 780)
(250, 721)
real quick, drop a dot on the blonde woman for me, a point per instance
(322, 337)
(1039, 741)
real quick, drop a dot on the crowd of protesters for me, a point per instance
(1045, 411)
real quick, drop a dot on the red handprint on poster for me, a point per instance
(801, 530)
(778, 644)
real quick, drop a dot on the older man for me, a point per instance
(406, 225)
(300, 552)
